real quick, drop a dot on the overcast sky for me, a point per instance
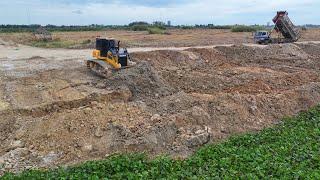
(83, 12)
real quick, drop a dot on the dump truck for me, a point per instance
(283, 26)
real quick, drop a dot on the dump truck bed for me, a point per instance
(284, 25)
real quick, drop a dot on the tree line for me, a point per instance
(135, 26)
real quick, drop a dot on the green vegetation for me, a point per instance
(187, 27)
(288, 151)
(140, 27)
(54, 28)
(211, 26)
(243, 28)
(155, 30)
(134, 26)
(57, 43)
(52, 44)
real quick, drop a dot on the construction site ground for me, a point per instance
(173, 38)
(55, 112)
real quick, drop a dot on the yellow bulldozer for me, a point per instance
(108, 57)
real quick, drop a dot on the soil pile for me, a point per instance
(311, 49)
(142, 80)
(171, 102)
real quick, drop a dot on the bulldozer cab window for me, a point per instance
(112, 44)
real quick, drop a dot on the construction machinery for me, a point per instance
(108, 57)
(283, 26)
(262, 37)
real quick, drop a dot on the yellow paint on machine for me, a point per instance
(112, 60)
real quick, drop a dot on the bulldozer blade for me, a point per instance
(99, 67)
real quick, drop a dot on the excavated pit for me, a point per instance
(171, 102)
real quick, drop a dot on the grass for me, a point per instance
(140, 27)
(52, 44)
(152, 29)
(290, 150)
(156, 30)
(243, 28)
(57, 43)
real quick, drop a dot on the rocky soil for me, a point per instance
(56, 112)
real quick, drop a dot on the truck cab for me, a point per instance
(262, 37)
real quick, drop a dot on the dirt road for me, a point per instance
(21, 51)
(55, 112)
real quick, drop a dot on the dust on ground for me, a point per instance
(56, 112)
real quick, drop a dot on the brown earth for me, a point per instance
(176, 37)
(55, 112)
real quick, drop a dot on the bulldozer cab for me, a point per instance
(104, 45)
(108, 56)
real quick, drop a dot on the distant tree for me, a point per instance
(138, 23)
(159, 23)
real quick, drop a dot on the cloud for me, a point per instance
(146, 3)
(77, 12)
(178, 11)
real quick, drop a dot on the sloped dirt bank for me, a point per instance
(171, 102)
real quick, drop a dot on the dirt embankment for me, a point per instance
(171, 102)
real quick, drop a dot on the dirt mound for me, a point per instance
(274, 51)
(182, 60)
(142, 80)
(310, 48)
(171, 102)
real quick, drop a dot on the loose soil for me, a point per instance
(54, 111)
(174, 38)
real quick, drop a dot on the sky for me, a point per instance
(179, 12)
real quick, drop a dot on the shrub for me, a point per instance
(187, 27)
(243, 28)
(160, 27)
(155, 30)
(88, 41)
(52, 44)
(152, 28)
(219, 26)
(139, 23)
(139, 28)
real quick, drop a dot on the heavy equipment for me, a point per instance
(108, 57)
(262, 37)
(283, 26)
